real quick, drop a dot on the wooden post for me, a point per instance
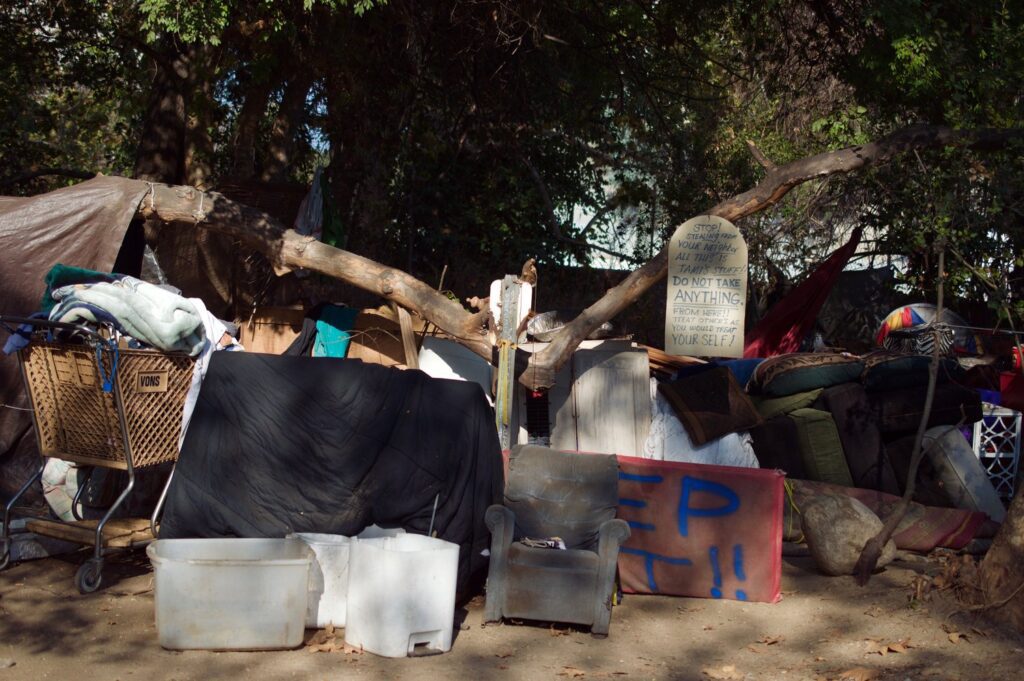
(412, 355)
(508, 324)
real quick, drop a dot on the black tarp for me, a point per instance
(283, 444)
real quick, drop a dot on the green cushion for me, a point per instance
(820, 447)
(885, 370)
(770, 407)
(801, 372)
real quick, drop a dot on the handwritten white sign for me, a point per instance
(707, 289)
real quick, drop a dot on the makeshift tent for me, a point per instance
(84, 226)
(788, 322)
(281, 444)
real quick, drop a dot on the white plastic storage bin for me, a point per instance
(401, 595)
(230, 594)
(328, 577)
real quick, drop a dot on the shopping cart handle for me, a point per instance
(42, 322)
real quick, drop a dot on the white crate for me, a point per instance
(996, 441)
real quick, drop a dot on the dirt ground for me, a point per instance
(824, 628)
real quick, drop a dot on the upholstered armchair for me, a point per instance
(550, 494)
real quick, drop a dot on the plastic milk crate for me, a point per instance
(996, 441)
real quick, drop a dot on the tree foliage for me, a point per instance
(478, 133)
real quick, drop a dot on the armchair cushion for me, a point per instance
(561, 494)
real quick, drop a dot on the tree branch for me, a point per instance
(286, 249)
(544, 364)
(762, 160)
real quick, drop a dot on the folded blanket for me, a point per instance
(141, 310)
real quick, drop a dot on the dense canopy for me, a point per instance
(476, 134)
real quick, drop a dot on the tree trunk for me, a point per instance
(1000, 573)
(282, 135)
(200, 118)
(248, 127)
(160, 156)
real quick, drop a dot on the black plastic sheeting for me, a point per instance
(283, 444)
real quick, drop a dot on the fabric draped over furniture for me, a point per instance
(802, 372)
(857, 424)
(710, 404)
(283, 444)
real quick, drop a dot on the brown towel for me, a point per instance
(710, 404)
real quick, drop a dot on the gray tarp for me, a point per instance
(83, 225)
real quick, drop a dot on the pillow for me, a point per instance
(801, 372)
(884, 370)
(710, 404)
(820, 447)
(770, 407)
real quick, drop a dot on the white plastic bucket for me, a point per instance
(328, 576)
(401, 595)
(230, 594)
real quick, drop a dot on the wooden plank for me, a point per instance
(377, 340)
(611, 395)
(412, 355)
(118, 533)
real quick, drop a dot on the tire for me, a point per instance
(89, 576)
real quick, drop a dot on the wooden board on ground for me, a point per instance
(118, 533)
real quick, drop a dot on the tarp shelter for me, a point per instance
(85, 226)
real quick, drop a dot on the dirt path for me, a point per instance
(822, 628)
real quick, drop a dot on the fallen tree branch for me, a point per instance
(776, 184)
(287, 249)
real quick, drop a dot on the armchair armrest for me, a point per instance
(610, 536)
(501, 521)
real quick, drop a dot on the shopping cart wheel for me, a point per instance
(89, 576)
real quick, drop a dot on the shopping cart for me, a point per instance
(98, 404)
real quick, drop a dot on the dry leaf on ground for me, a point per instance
(883, 648)
(771, 640)
(859, 674)
(572, 672)
(726, 673)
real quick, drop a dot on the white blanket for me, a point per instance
(669, 441)
(145, 312)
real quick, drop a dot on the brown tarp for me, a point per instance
(84, 226)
